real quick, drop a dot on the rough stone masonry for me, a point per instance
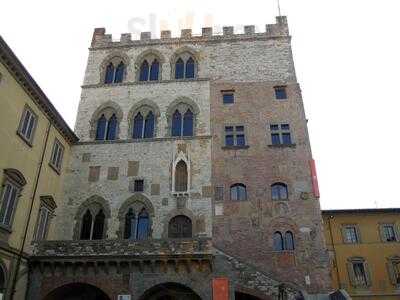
(232, 164)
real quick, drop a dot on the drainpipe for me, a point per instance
(334, 252)
(21, 251)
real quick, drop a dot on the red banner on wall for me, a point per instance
(314, 178)
(220, 288)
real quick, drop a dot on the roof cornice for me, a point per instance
(16, 68)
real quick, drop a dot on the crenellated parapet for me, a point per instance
(279, 29)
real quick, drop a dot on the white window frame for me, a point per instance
(7, 208)
(57, 155)
(22, 130)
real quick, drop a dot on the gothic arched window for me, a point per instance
(92, 229)
(137, 226)
(107, 129)
(154, 70)
(176, 128)
(238, 192)
(119, 73)
(179, 69)
(138, 126)
(278, 241)
(143, 127)
(144, 71)
(181, 177)
(279, 191)
(180, 227)
(112, 128)
(149, 125)
(86, 226)
(289, 241)
(109, 73)
(2, 282)
(189, 69)
(187, 123)
(143, 225)
(101, 128)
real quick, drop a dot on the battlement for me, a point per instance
(279, 29)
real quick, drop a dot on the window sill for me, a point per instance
(55, 169)
(235, 147)
(28, 142)
(282, 146)
(5, 229)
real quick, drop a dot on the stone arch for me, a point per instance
(178, 212)
(16, 176)
(95, 203)
(283, 224)
(144, 106)
(179, 291)
(185, 52)
(150, 55)
(77, 290)
(137, 201)
(182, 104)
(3, 277)
(115, 57)
(108, 108)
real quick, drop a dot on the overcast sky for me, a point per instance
(346, 56)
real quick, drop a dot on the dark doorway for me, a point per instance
(77, 291)
(170, 291)
(243, 296)
(180, 227)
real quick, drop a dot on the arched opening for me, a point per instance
(238, 192)
(137, 225)
(2, 282)
(77, 291)
(181, 177)
(170, 291)
(92, 229)
(180, 227)
(244, 296)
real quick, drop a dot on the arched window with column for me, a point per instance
(182, 115)
(184, 64)
(105, 122)
(137, 221)
(93, 229)
(143, 128)
(91, 219)
(144, 71)
(154, 70)
(114, 69)
(180, 227)
(278, 241)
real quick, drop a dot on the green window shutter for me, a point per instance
(352, 276)
(382, 233)
(392, 277)
(368, 274)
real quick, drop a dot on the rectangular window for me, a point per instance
(351, 236)
(280, 134)
(43, 223)
(235, 136)
(8, 201)
(27, 125)
(389, 233)
(228, 97)
(57, 155)
(360, 275)
(280, 92)
(139, 185)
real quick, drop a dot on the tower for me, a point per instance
(192, 175)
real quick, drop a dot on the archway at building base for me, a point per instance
(77, 291)
(170, 291)
(243, 296)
